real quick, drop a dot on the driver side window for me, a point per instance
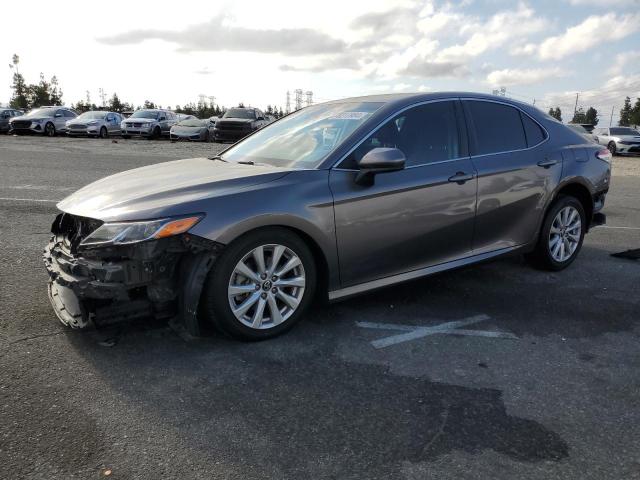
(425, 134)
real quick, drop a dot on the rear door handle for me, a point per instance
(461, 177)
(547, 163)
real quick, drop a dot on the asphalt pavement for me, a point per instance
(495, 371)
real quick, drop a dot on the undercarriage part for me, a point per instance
(101, 286)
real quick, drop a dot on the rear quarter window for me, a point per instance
(534, 133)
(495, 127)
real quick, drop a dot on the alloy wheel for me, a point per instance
(50, 130)
(266, 286)
(565, 233)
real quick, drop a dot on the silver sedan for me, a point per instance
(95, 124)
(192, 129)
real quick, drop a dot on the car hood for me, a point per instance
(140, 119)
(186, 129)
(31, 119)
(235, 120)
(164, 189)
(85, 122)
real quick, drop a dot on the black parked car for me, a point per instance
(7, 114)
(237, 123)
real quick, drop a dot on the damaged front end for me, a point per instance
(104, 284)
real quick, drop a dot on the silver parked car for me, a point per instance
(192, 129)
(45, 120)
(338, 198)
(6, 114)
(148, 123)
(95, 124)
(619, 140)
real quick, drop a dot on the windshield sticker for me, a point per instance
(350, 116)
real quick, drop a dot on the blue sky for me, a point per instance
(253, 52)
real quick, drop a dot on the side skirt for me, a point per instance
(423, 272)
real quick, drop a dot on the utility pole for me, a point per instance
(288, 109)
(575, 109)
(298, 92)
(309, 95)
(611, 118)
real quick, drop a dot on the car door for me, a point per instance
(112, 124)
(419, 216)
(5, 115)
(517, 172)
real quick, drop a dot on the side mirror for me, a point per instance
(379, 160)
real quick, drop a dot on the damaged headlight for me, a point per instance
(131, 232)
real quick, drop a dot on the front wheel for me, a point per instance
(612, 148)
(50, 130)
(103, 132)
(562, 235)
(261, 285)
(156, 134)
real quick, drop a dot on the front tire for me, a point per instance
(104, 133)
(50, 130)
(156, 134)
(562, 235)
(260, 286)
(612, 148)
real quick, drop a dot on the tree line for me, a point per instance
(27, 96)
(629, 115)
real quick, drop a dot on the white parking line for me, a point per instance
(412, 332)
(37, 187)
(621, 228)
(29, 199)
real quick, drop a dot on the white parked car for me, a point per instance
(619, 140)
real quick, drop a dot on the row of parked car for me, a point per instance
(619, 140)
(235, 124)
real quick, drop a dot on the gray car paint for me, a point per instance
(404, 225)
(111, 122)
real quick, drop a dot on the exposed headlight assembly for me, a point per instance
(123, 233)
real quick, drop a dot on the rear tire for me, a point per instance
(561, 236)
(269, 303)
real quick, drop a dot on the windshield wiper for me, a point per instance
(246, 162)
(218, 157)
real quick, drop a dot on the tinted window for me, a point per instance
(68, 113)
(624, 131)
(497, 127)
(533, 131)
(425, 134)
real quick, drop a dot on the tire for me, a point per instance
(206, 137)
(156, 134)
(126, 137)
(50, 130)
(104, 133)
(612, 148)
(557, 249)
(263, 295)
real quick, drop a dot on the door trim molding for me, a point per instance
(414, 274)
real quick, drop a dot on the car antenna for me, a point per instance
(217, 157)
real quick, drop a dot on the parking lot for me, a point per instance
(494, 371)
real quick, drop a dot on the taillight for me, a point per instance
(604, 155)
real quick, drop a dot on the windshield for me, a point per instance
(92, 116)
(239, 113)
(145, 114)
(192, 122)
(304, 138)
(42, 112)
(624, 131)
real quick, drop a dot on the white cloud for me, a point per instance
(595, 30)
(607, 5)
(513, 76)
(401, 87)
(625, 62)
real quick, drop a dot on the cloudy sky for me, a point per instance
(254, 51)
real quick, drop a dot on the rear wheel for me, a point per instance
(261, 285)
(50, 130)
(562, 235)
(612, 148)
(103, 132)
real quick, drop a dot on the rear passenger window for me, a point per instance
(534, 132)
(497, 127)
(425, 134)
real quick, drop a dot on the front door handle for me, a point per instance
(547, 163)
(461, 177)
